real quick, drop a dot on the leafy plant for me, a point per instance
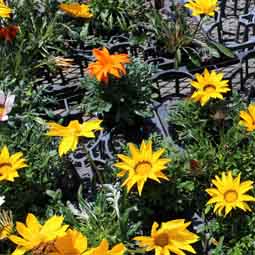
(211, 142)
(107, 217)
(115, 16)
(27, 134)
(174, 36)
(40, 35)
(122, 98)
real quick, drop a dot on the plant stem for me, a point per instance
(140, 251)
(91, 161)
(197, 28)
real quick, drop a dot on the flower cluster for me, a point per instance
(54, 238)
(144, 168)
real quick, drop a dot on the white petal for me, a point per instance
(2, 97)
(4, 117)
(9, 103)
(2, 200)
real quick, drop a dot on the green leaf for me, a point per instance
(213, 52)
(178, 58)
(224, 50)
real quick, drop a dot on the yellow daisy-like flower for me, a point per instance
(229, 193)
(202, 7)
(248, 118)
(72, 243)
(5, 11)
(72, 132)
(103, 249)
(9, 165)
(76, 10)
(6, 224)
(33, 234)
(142, 165)
(172, 237)
(209, 85)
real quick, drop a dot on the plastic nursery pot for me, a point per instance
(159, 4)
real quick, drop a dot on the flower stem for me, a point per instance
(140, 251)
(94, 166)
(197, 28)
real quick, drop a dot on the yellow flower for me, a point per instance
(103, 249)
(172, 237)
(229, 193)
(209, 85)
(202, 7)
(142, 165)
(72, 243)
(76, 10)
(108, 64)
(72, 132)
(10, 164)
(6, 224)
(248, 118)
(5, 11)
(34, 234)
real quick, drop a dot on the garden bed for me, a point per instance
(127, 128)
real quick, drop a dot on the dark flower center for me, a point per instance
(2, 110)
(2, 165)
(162, 240)
(142, 168)
(230, 196)
(209, 88)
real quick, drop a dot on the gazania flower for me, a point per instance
(9, 165)
(209, 85)
(202, 7)
(248, 118)
(72, 132)
(34, 235)
(72, 243)
(76, 10)
(142, 165)
(6, 104)
(229, 193)
(9, 33)
(108, 64)
(103, 249)
(6, 224)
(172, 237)
(5, 11)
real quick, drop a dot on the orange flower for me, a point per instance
(76, 10)
(108, 64)
(9, 33)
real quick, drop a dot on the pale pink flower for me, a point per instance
(6, 104)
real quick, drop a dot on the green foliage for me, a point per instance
(115, 15)
(122, 98)
(41, 34)
(211, 141)
(28, 136)
(176, 37)
(108, 217)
